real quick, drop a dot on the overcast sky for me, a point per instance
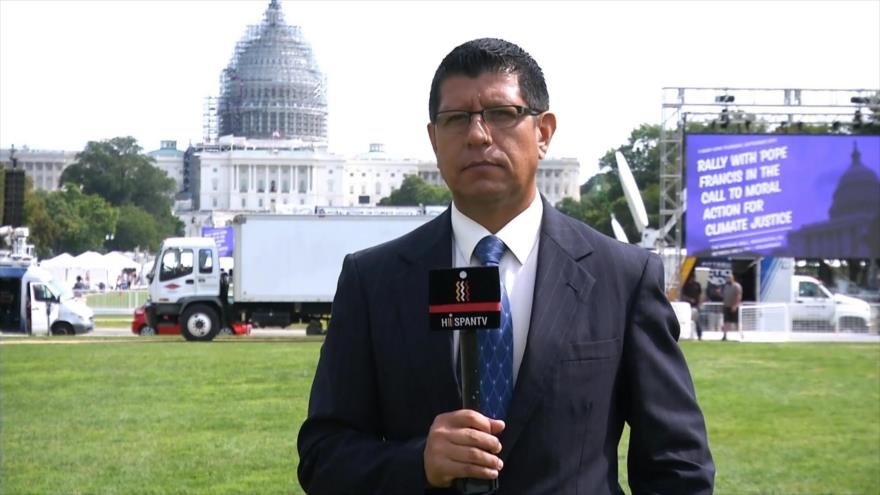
(75, 71)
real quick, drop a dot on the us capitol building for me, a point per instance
(265, 143)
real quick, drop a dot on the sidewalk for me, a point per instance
(768, 336)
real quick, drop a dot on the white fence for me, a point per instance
(766, 317)
(776, 317)
(122, 302)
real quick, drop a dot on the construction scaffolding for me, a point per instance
(757, 110)
(272, 87)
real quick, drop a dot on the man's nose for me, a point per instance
(478, 131)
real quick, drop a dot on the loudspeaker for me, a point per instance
(13, 199)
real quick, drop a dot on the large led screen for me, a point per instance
(803, 196)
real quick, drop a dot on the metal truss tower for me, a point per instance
(747, 110)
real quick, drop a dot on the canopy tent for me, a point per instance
(63, 259)
(116, 259)
(59, 268)
(93, 267)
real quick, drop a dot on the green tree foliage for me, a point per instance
(136, 228)
(414, 191)
(602, 195)
(68, 220)
(115, 170)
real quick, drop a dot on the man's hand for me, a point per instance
(462, 444)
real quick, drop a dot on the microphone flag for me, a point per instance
(464, 298)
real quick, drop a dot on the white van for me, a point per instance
(32, 302)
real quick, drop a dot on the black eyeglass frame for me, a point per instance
(520, 111)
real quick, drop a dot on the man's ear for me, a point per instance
(433, 137)
(545, 129)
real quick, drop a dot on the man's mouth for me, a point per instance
(481, 163)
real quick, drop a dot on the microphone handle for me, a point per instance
(470, 393)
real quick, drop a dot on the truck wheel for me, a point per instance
(199, 323)
(62, 328)
(852, 324)
(314, 328)
(147, 330)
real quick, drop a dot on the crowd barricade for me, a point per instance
(115, 302)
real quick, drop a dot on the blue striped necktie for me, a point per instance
(496, 345)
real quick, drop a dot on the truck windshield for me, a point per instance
(59, 290)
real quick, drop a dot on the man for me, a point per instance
(692, 293)
(732, 297)
(593, 336)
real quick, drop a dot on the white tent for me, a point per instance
(91, 267)
(62, 259)
(60, 268)
(118, 260)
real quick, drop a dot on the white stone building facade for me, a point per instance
(252, 175)
(43, 167)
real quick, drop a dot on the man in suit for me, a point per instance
(593, 335)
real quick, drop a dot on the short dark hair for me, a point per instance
(492, 55)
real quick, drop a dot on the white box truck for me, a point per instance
(285, 270)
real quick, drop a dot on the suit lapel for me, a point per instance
(562, 287)
(430, 350)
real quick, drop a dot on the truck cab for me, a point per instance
(185, 287)
(813, 304)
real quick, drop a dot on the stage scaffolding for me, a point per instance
(743, 109)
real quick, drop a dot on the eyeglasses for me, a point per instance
(501, 117)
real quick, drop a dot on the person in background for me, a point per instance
(693, 294)
(732, 297)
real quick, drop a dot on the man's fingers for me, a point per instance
(474, 455)
(497, 426)
(469, 437)
(467, 418)
(462, 444)
(466, 470)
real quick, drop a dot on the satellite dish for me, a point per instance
(631, 191)
(619, 234)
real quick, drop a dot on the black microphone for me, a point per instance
(467, 299)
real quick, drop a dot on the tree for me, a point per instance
(414, 191)
(136, 228)
(68, 220)
(116, 170)
(43, 229)
(602, 195)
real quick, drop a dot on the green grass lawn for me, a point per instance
(167, 416)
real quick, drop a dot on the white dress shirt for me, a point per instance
(517, 268)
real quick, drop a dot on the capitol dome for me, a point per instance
(858, 190)
(273, 87)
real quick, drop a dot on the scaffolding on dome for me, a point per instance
(272, 87)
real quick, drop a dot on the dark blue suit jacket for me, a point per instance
(601, 350)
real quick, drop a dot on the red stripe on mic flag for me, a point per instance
(465, 307)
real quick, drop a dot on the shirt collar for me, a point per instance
(519, 234)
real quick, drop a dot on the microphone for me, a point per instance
(467, 299)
